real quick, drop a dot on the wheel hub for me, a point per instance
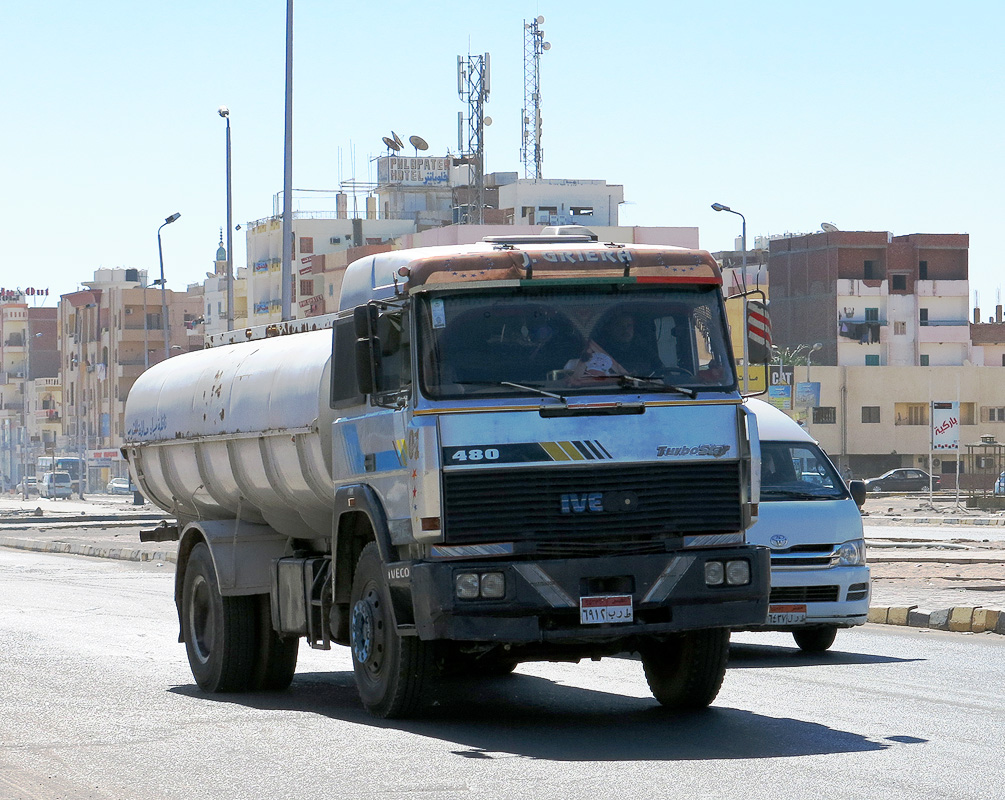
(361, 628)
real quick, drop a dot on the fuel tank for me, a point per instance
(241, 431)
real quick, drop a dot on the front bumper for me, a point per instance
(799, 587)
(542, 597)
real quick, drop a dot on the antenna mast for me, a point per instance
(473, 89)
(531, 152)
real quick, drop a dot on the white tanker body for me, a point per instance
(241, 431)
(464, 474)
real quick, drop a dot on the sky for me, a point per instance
(867, 115)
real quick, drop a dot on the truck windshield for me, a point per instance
(798, 471)
(607, 339)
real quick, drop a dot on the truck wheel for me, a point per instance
(392, 671)
(686, 672)
(277, 656)
(816, 639)
(219, 632)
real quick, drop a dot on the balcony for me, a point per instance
(935, 331)
(860, 330)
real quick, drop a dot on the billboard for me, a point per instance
(945, 426)
(413, 171)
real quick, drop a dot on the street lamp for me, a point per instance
(743, 276)
(809, 358)
(164, 306)
(224, 112)
(25, 409)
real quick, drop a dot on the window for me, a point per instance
(923, 359)
(898, 283)
(994, 414)
(870, 271)
(824, 415)
(872, 360)
(306, 288)
(899, 328)
(870, 414)
(967, 413)
(306, 244)
(923, 316)
(872, 315)
(911, 414)
(923, 270)
(581, 211)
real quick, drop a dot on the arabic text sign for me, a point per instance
(945, 426)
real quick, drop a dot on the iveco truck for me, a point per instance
(525, 449)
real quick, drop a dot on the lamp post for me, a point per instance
(224, 112)
(809, 358)
(743, 276)
(26, 408)
(164, 308)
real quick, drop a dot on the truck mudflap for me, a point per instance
(588, 599)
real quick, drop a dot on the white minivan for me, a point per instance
(812, 523)
(55, 484)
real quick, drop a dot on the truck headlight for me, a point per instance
(715, 573)
(851, 554)
(738, 572)
(466, 585)
(493, 586)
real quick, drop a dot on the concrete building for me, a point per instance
(108, 334)
(871, 298)
(313, 235)
(29, 366)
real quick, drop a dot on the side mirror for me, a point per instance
(364, 319)
(857, 489)
(367, 364)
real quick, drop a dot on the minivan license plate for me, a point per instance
(786, 614)
(606, 608)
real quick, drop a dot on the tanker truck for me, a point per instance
(524, 449)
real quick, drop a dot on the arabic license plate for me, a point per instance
(606, 608)
(786, 615)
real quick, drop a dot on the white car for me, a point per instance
(119, 486)
(811, 522)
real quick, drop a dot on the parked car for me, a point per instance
(29, 481)
(902, 480)
(55, 485)
(120, 486)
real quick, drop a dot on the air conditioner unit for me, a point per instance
(128, 311)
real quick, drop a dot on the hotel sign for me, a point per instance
(409, 171)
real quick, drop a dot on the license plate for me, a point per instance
(787, 615)
(606, 608)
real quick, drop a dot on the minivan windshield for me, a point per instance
(601, 338)
(61, 478)
(798, 471)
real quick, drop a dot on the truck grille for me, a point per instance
(621, 503)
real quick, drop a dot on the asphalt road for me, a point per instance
(99, 703)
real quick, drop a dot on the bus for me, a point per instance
(71, 464)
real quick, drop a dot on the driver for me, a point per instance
(618, 347)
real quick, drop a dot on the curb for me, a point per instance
(95, 551)
(960, 619)
(977, 522)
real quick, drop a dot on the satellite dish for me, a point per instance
(540, 20)
(546, 46)
(418, 142)
(487, 121)
(828, 227)
(397, 141)
(391, 144)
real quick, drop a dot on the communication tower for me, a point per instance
(473, 89)
(531, 152)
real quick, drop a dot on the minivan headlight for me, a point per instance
(851, 554)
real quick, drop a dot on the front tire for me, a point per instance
(219, 632)
(392, 671)
(816, 639)
(685, 673)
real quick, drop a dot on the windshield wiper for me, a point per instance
(535, 390)
(655, 383)
(802, 494)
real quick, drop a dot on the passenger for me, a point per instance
(618, 347)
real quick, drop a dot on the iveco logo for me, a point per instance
(579, 502)
(778, 540)
(597, 502)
